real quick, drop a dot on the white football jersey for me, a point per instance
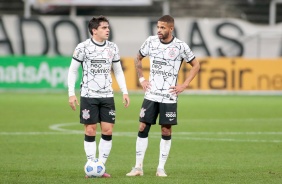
(165, 63)
(96, 63)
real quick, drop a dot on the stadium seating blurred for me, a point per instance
(255, 11)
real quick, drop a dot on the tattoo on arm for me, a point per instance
(138, 65)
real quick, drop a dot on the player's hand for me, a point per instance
(145, 85)
(126, 100)
(73, 102)
(177, 89)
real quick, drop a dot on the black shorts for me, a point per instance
(150, 111)
(95, 110)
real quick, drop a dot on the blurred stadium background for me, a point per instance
(237, 41)
(255, 11)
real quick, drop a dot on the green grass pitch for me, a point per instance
(218, 139)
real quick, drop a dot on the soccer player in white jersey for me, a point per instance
(166, 54)
(97, 56)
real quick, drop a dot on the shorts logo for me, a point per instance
(85, 114)
(170, 114)
(142, 112)
(112, 113)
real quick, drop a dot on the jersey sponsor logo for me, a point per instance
(101, 92)
(170, 115)
(85, 114)
(100, 71)
(160, 94)
(96, 65)
(142, 112)
(159, 62)
(161, 72)
(156, 66)
(98, 61)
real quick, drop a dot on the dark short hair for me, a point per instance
(167, 18)
(94, 23)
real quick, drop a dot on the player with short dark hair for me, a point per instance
(97, 56)
(166, 54)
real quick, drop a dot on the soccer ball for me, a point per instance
(94, 168)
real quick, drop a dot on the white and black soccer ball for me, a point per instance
(94, 168)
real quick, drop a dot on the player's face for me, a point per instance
(164, 31)
(103, 32)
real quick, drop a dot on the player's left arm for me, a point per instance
(193, 72)
(119, 75)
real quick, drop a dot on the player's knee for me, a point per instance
(166, 130)
(90, 130)
(107, 128)
(107, 131)
(142, 127)
(144, 130)
(166, 133)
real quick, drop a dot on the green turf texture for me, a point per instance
(218, 139)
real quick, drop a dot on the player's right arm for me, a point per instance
(72, 75)
(138, 66)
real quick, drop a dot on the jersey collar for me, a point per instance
(98, 44)
(169, 41)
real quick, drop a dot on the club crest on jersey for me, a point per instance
(110, 53)
(85, 114)
(171, 53)
(142, 112)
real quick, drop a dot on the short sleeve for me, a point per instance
(187, 54)
(78, 53)
(116, 54)
(144, 50)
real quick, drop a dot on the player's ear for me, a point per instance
(171, 28)
(94, 31)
